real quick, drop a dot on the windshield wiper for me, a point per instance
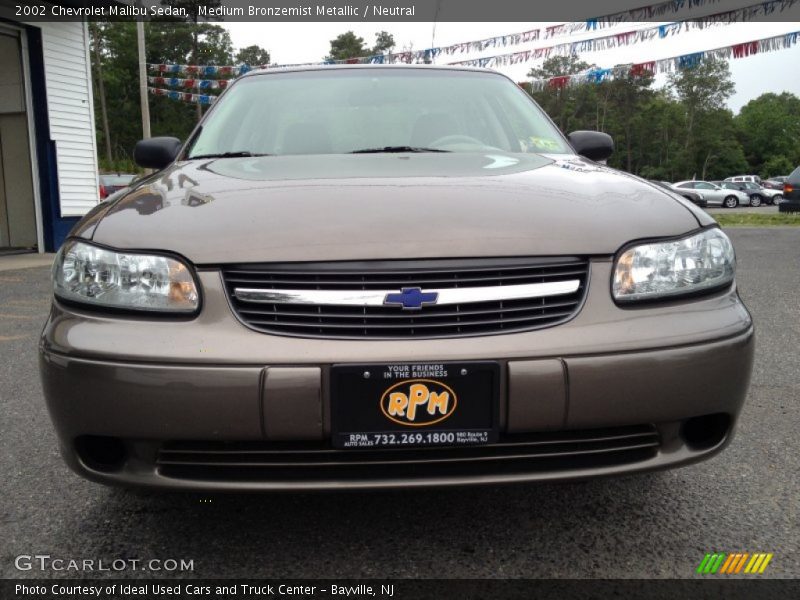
(237, 154)
(389, 149)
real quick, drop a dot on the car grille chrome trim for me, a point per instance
(395, 299)
(377, 297)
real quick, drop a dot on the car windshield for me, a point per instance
(116, 180)
(339, 111)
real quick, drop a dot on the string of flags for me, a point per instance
(661, 9)
(628, 38)
(202, 84)
(206, 99)
(201, 70)
(199, 76)
(645, 13)
(667, 65)
(194, 83)
(650, 12)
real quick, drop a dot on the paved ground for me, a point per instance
(657, 525)
(11, 262)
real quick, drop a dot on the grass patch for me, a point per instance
(757, 220)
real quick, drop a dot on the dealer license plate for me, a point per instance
(405, 405)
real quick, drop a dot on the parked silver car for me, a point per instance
(758, 195)
(715, 195)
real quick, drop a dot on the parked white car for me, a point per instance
(715, 195)
(743, 178)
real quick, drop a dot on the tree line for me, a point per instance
(680, 131)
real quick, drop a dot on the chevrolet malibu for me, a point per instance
(371, 277)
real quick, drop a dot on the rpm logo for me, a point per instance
(418, 402)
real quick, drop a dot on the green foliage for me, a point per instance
(623, 102)
(556, 66)
(124, 165)
(743, 219)
(252, 55)
(704, 87)
(769, 130)
(776, 166)
(570, 108)
(349, 45)
(384, 43)
(715, 147)
(708, 128)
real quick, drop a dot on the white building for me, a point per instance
(48, 154)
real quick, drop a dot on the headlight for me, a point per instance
(665, 269)
(92, 275)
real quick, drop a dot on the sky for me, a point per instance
(755, 75)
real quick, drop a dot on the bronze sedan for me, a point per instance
(370, 276)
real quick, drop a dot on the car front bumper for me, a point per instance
(209, 404)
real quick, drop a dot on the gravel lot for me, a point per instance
(656, 525)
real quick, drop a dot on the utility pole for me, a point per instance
(143, 80)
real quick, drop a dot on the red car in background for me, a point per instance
(791, 193)
(110, 183)
(774, 183)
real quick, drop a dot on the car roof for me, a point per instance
(317, 67)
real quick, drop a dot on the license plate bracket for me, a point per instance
(404, 405)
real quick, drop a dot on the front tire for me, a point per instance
(776, 199)
(755, 200)
(730, 202)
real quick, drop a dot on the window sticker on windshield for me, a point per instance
(538, 143)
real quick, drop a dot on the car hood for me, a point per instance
(385, 206)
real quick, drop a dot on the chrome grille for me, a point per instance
(513, 454)
(293, 316)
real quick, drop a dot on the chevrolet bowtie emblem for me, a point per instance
(412, 298)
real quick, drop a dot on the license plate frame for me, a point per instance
(368, 412)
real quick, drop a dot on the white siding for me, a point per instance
(71, 112)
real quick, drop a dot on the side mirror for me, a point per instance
(157, 152)
(594, 145)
